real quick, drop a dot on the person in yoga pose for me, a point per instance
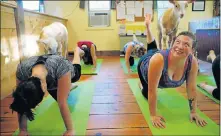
(132, 50)
(168, 69)
(89, 53)
(39, 74)
(214, 91)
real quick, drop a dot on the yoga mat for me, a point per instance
(134, 67)
(210, 81)
(48, 120)
(175, 109)
(87, 69)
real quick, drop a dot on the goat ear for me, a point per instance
(45, 41)
(172, 1)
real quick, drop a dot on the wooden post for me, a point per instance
(20, 27)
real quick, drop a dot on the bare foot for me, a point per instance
(140, 85)
(202, 85)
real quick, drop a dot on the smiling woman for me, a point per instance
(169, 69)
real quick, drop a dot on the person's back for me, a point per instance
(55, 64)
(87, 43)
(132, 43)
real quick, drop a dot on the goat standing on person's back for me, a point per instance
(169, 21)
(54, 38)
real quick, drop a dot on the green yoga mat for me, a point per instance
(133, 68)
(210, 80)
(87, 69)
(48, 120)
(174, 108)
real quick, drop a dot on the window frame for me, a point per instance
(162, 9)
(41, 3)
(108, 11)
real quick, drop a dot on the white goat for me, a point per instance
(169, 21)
(54, 37)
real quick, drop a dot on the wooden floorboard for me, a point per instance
(114, 110)
(124, 108)
(8, 125)
(116, 121)
(115, 92)
(114, 99)
(120, 132)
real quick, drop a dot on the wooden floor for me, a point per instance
(114, 109)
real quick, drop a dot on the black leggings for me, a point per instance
(216, 74)
(77, 75)
(151, 48)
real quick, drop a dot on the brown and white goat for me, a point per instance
(169, 21)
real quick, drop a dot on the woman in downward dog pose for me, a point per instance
(89, 53)
(133, 49)
(168, 69)
(39, 74)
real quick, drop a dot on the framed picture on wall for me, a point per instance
(198, 5)
(216, 8)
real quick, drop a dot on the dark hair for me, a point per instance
(190, 35)
(27, 96)
(87, 58)
(140, 51)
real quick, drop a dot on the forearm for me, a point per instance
(76, 59)
(192, 102)
(128, 65)
(22, 121)
(65, 112)
(149, 37)
(95, 62)
(152, 100)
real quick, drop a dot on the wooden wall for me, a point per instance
(34, 22)
(9, 50)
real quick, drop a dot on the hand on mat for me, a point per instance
(132, 70)
(199, 121)
(69, 133)
(23, 133)
(158, 121)
(93, 68)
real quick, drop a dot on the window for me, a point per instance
(33, 5)
(162, 6)
(99, 13)
(99, 5)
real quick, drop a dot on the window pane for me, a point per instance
(31, 5)
(99, 5)
(164, 4)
